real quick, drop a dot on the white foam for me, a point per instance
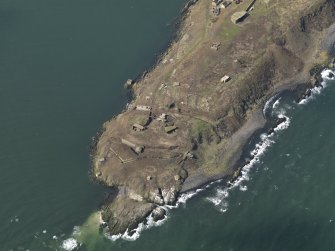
(219, 200)
(318, 89)
(15, 219)
(70, 244)
(276, 104)
(325, 74)
(135, 234)
(222, 194)
(284, 125)
(243, 188)
(268, 103)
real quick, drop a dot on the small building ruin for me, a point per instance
(162, 117)
(170, 129)
(225, 79)
(136, 148)
(138, 127)
(215, 46)
(143, 108)
(239, 16)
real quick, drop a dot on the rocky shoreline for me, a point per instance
(173, 137)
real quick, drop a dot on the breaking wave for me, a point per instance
(70, 244)
(318, 89)
(220, 198)
(149, 222)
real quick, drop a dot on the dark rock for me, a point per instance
(331, 75)
(281, 120)
(308, 93)
(158, 213)
(270, 131)
(124, 213)
(102, 226)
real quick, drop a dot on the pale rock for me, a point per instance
(156, 197)
(169, 195)
(134, 196)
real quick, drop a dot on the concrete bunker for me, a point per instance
(239, 16)
(136, 148)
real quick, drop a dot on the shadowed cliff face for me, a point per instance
(329, 43)
(186, 126)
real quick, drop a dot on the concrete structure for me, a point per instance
(251, 5)
(138, 127)
(239, 16)
(215, 45)
(225, 79)
(225, 4)
(170, 129)
(143, 108)
(216, 3)
(136, 148)
(162, 117)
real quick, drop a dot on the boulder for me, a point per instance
(158, 213)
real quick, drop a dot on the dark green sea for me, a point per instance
(62, 68)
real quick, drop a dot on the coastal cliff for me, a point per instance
(193, 113)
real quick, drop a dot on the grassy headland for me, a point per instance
(185, 125)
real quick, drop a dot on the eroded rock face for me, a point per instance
(156, 197)
(125, 214)
(169, 195)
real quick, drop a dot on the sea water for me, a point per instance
(63, 64)
(62, 68)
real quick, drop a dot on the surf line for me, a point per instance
(266, 140)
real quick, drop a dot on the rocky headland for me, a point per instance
(193, 113)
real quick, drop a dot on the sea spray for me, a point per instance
(318, 89)
(149, 221)
(183, 198)
(82, 234)
(70, 244)
(219, 200)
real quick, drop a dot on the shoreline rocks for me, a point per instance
(158, 214)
